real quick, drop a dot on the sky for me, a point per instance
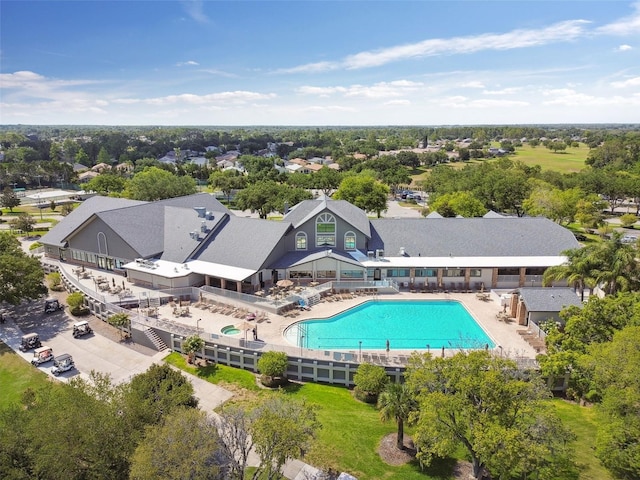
(312, 63)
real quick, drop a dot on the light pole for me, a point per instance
(360, 350)
(301, 343)
(198, 326)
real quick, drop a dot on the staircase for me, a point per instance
(155, 339)
(312, 300)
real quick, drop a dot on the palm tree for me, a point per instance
(579, 270)
(396, 402)
(619, 269)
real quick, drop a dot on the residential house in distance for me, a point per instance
(194, 240)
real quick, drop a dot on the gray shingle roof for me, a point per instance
(243, 242)
(470, 237)
(58, 234)
(179, 223)
(308, 209)
(549, 299)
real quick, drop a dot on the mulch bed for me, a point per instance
(390, 454)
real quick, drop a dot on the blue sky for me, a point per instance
(319, 62)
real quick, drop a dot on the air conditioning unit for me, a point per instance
(379, 253)
(370, 255)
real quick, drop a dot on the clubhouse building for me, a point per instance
(195, 240)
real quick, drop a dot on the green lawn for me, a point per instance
(16, 375)
(571, 160)
(582, 421)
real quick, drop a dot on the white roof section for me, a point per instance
(461, 262)
(166, 269)
(51, 194)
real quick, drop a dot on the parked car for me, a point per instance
(81, 328)
(628, 239)
(29, 341)
(42, 355)
(52, 305)
(62, 363)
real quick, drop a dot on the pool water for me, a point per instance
(230, 330)
(407, 325)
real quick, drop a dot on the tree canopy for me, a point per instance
(485, 405)
(21, 275)
(365, 192)
(154, 183)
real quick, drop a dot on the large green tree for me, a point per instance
(21, 276)
(106, 184)
(154, 393)
(485, 405)
(185, 446)
(616, 376)
(282, 429)
(458, 203)
(9, 199)
(578, 270)
(365, 192)
(227, 181)
(154, 183)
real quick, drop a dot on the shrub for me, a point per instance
(370, 380)
(120, 321)
(55, 282)
(272, 365)
(628, 219)
(76, 304)
(192, 345)
(35, 245)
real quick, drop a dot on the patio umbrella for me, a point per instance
(284, 283)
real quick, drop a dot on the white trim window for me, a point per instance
(301, 241)
(326, 230)
(350, 241)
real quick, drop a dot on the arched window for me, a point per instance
(102, 244)
(301, 241)
(349, 241)
(325, 230)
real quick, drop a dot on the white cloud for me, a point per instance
(571, 98)
(238, 96)
(625, 26)
(522, 38)
(504, 91)
(398, 102)
(631, 82)
(624, 48)
(472, 84)
(391, 89)
(187, 63)
(194, 10)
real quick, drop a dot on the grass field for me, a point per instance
(352, 430)
(582, 421)
(571, 160)
(16, 376)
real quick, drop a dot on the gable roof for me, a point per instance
(548, 299)
(242, 242)
(59, 233)
(308, 209)
(292, 259)
(471, 237)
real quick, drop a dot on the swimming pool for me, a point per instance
(406, 324)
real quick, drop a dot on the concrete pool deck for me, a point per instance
(271, 331)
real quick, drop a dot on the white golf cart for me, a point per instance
(62, 363)
(42, 355)
(81, 328)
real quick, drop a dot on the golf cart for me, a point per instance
(42, 355)
(81, 328)
(52, 305)
(29, 341)
(62, 363)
